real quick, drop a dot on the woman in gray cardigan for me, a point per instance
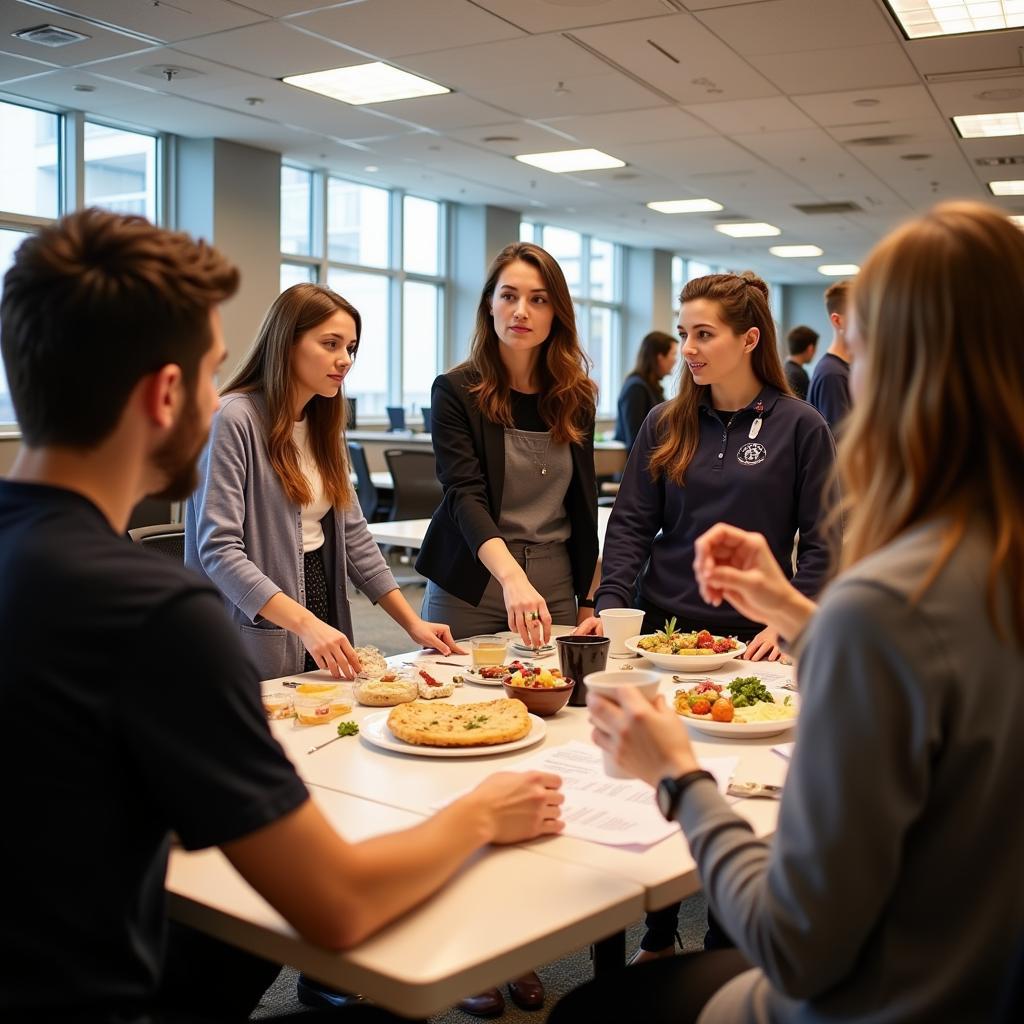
(274, 524)
(891, 890)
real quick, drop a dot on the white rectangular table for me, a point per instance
(506, 911)
(409, 533)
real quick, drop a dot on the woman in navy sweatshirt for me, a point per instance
(733, 446)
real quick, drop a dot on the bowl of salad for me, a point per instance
(544, 691)
(677, 650)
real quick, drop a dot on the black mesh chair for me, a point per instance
(167, 538)
(366, 491)
(414, 476)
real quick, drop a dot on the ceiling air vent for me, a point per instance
(878, 140)
(998, 161)
(49, 35)
(815, 208)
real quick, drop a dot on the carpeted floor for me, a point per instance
(373, 626)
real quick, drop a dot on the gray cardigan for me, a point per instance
(245, 536)
(892, 890)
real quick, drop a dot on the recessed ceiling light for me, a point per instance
(1006, 188)
(685, 206)
(988, 126)
(750, 229)
(563, 160)
(921, 18)
(371, 168)
(789, 252)
(839, 269)
(366, 83)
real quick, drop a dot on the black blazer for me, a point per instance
(470, 453)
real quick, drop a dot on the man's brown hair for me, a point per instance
(93, 304)
(836, 296)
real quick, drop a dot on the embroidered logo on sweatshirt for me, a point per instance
(751, 454)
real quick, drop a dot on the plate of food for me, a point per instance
(743, 708)
(517, 647)
(492, 675)
(679, 651)
(454, 730)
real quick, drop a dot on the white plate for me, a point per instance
(747, 730)
(685, 663)
(374, 729)
(547, 650)
(472, 675)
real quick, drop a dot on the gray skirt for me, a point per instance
(547, 568)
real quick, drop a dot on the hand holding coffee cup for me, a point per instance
(609, 685)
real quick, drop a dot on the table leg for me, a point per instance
(609, 954)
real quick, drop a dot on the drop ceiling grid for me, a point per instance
(608, 130)
(12, 67)
(774, 114)
(836, 68)
(842, 108)
(538, 16)
(100, 44)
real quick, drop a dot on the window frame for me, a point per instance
(395, 273)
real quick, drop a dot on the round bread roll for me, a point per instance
(385, 693)
(372, 663)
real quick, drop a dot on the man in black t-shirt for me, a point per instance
(133, 710)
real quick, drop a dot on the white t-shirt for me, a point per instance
(312, 531)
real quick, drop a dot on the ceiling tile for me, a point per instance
(655, 124)
(775, 114)
(165, 22)
(898, 103)
(439, 113)
(387, 28)
(552, 16)
(848, 67)
(58, 88)
(522, 136)
(680, 57)
(101, 43)
(795, 26)
(273, 50)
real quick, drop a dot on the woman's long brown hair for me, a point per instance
(742, 304)
(937, 432)
(655, 343)
(568, 399)
(267, 369)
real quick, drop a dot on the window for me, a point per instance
(384, 251)
(120, 170)
(29, 161)
(591, 269)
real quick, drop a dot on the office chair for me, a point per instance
(417, 490)
(371, 500)
(167, 538)
(396, 417)
(425, 412)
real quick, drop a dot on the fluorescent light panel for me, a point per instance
(749, 229)
(685, 206)
(921, 18)
(1006, 188)
(839, 269)
(989, 126)
(562, 161)
(792, 252)
(366, 83)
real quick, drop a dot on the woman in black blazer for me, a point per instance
(522, 404)
(514, 541)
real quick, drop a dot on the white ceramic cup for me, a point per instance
(608, 684)
(619, 625)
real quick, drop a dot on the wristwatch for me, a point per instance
(670, 791)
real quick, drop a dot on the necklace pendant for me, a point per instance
(543, 470)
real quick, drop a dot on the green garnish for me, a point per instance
(471, 724)
(347, 728)
(670, 627)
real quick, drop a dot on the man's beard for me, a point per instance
(178, 456)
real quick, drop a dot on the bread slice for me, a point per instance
(460, 725)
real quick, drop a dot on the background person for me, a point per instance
(852, 911)
(513, 543)
(642, 390)
(274, 524)
(111, 341)
(829, 392)
(801, 343)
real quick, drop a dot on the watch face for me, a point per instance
(665, 797)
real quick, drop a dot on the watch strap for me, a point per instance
(676, 787)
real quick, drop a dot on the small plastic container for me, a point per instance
(323, 704)
(488, 650)
(278, 705)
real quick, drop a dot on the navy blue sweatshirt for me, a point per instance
(829, 392)
(778, 483)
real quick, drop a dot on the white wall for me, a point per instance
(805, 304)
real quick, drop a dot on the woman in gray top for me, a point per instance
(274, 524)
(891, 891)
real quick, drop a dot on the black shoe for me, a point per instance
(489, 1003)
(320, 997)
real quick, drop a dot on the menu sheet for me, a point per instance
(615, 812)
